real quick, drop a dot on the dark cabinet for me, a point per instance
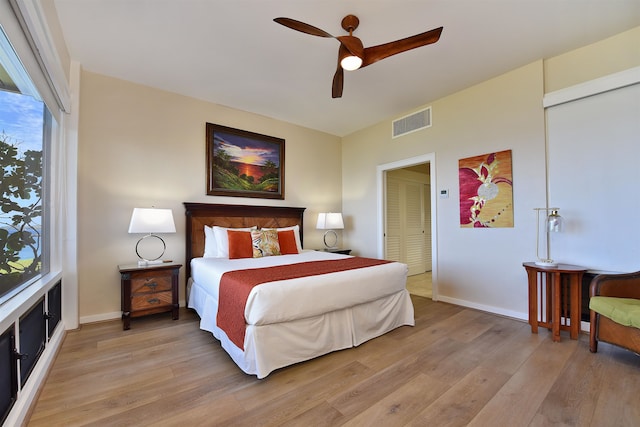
(22, 344)
(8, 373)
(54, 308)
(33, 337)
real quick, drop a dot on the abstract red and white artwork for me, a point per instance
(486, 190)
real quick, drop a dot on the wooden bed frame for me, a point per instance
(233, 216)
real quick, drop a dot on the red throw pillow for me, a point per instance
(239, 244)
(287, 241)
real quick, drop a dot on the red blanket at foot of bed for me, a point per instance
(235, 287)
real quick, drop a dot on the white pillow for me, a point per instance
(222, 239)
(296, 233)
(210, 246)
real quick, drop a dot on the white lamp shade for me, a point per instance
(330, 221)
(151, 220)
(554, 222)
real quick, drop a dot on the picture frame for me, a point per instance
(244, 164)
(486, 190)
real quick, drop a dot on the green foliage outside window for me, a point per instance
(20, 214)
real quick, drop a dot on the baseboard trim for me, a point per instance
(584, 326)
(488, 308)
(100, 317)
(109, 316)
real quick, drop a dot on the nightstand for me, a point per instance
(337, 251)
(148, 289)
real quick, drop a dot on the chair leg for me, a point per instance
(593, 342)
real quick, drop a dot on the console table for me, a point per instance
(559, 292)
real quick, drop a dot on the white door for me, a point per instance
(413, 232)
(427, 227)
(393, 222)
(407, 229)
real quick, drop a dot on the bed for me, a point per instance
(292, 318)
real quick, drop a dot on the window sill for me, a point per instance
(14, 307)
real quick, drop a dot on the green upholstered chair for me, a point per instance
(615, 310)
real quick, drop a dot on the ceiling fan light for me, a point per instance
(351, 62)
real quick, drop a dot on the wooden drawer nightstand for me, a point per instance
(148, 289)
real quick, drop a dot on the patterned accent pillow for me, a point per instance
(265, 243)
(296, 232)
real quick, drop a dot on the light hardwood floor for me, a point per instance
(420, 284)
(455, 367)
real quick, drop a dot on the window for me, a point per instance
(25, 130)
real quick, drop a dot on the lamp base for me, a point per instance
(144, 262)
(157, 260)
(332, 241)
(546, 263)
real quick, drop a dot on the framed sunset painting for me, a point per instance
(244, 164)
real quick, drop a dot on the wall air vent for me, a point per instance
(411, 123)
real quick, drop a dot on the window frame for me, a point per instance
(25, 25)
(21, 77)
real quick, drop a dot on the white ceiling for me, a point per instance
(232, 53)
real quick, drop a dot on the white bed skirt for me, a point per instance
(273, 346)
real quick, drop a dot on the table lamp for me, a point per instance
(151, 221)
(330, 221)
(552, 224)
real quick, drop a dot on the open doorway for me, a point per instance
(406, 191)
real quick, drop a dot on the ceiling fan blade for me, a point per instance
(376, 53)
(338, 83)
(302, 27)
(352, 44)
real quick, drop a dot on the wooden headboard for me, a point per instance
(233, 216)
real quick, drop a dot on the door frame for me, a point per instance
(382, 204)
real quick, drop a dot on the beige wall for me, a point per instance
(142, 147)
(483, 267)
(605, 57)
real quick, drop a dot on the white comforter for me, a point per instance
(290, 321)
(287, 300)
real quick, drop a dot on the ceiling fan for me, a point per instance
(352, 54)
